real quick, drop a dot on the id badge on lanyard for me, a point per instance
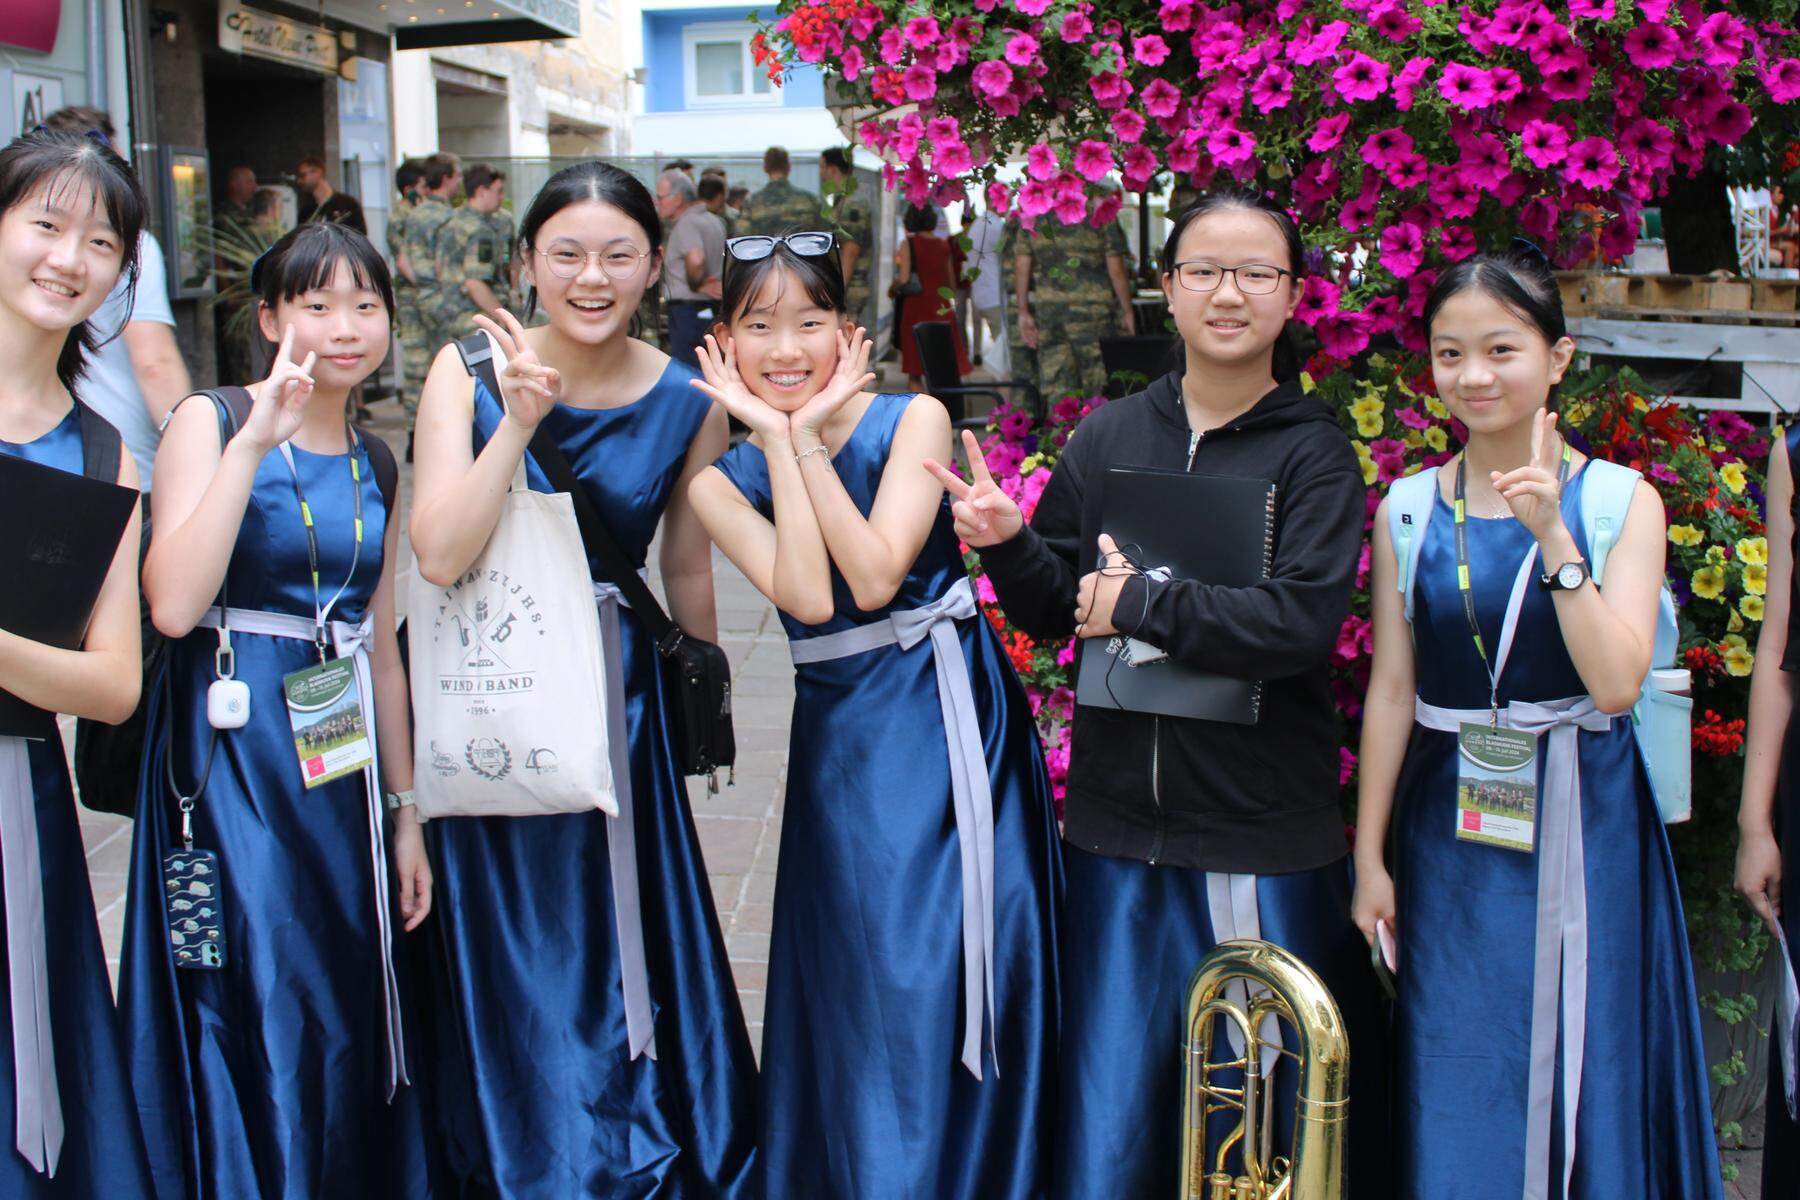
(1496, 767)
(326, 708)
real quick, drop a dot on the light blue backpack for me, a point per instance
(1662, 719)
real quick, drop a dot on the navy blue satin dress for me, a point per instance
(538, 1095)
(103, 1151)
(1134, 934)
(1467, 929)
(268, 1078)
(864, 1096)
(1781, 1141)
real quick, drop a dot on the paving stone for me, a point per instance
(751, 975)
(751, 947)
(754, 918)
(729, 843)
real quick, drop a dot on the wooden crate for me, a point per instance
(1585, 290)
(1774, 295)
(1730, 294)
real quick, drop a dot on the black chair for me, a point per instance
(1138, 359)
(937, 353)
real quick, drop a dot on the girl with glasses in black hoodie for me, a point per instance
(1182, 833)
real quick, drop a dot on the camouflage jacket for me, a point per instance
(1068, 262)
(850, 219)
(423, 225)
(779, 208)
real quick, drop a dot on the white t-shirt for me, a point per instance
(985, 238)
(109, 385)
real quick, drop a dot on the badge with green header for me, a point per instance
(331, 729)
(1496, 786)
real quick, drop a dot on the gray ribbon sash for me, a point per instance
(38, 1129)
(1235, 914)
(352, 642)
(1787, 1010)
(621, 833)
(971, 794)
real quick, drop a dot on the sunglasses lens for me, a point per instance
(749, 249)
(810, 244)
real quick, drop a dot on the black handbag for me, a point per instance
(697, 673)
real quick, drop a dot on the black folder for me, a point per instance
(1215, 529)
(58, 536)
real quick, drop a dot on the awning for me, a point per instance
(420, 24)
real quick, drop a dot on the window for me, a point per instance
(719, 69)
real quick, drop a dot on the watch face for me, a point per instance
(1569, 576)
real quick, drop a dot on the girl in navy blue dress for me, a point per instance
(1548, 1037)
(588, 1040)
(274, 1065)
(910, 1034)
(70, 214)
(1769, 814)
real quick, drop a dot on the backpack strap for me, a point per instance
(1606, 498)
(1410, 503)
(1791, 435)
(101, 446)
(387, 471)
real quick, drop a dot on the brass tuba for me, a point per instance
(1280, 985)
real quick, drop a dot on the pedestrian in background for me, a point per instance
(474, 253)
(925, 269)
(780, 206)
(440, 185)
(987, 292)
(319, 201)
(849, 217)
(550, 1077)
(415, 355)
(693, 261)
(70, 215)
(1070, 289)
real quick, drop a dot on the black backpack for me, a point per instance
(108, 757)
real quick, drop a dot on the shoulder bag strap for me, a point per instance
(100, 446)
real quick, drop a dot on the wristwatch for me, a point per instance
(1565, 578)
(399, 800)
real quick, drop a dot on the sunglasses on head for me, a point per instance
(757, 246)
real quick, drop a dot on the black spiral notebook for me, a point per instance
(1216, 529)
(57, 542)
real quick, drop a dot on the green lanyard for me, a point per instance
(1463, 583)
(322, 610)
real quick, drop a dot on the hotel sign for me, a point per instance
(265, 35)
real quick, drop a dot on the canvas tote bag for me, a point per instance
(508, 686)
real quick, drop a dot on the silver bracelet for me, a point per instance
(819, 449)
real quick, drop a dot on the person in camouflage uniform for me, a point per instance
(474, 254)
(779, 207)
(414, 361)
(443, 178)
(848, 216)
(1070, 289)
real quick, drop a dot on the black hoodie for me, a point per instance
(1257, 798)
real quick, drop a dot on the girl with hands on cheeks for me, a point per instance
(636, 1007)
(918, 875)
(1490, 631)
(1769, 810)
(291, 519)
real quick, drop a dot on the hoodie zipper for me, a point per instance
(1156, 843)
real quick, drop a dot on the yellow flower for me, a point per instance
(1684, 535)
(1030, 463)
(1733, 622)
(1753, 550)
(1715, 555)
(1367, 414)
(1709, 583)
(1413, 439)
(1369, 470)
(1436, 438)
(1639, 403)
(1752, 607)
(1739, 658)
(1436, 408)
(1756, 579)
(1732, 476)
(1306, 384)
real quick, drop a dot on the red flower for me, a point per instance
(1718, 737)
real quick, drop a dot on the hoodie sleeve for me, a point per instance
(1279, 628)
(1034, 574)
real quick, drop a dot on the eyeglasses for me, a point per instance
(1252, 279)
(749, 249)
(619, 260)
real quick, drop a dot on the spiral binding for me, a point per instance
(1256, 691)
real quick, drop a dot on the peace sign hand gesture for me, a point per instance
(851, 375)
(718, 366)
(984, 515)
(279, 404)
(1535, 490)
(529, 388)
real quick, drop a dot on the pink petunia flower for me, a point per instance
(1507, 83)
(1454, 193)
(1407, 81)
(1041, 161)
(992, 78)
(1036, 198)
(1021, 50)
(852, 63)
(1403, 249)
(1149, 49)
(1783, 80)
(1328, 133)
(891, 45)
(1393, 22)
(1592, 163)
(1321, 46)
(1466, 87)
(1721, 39)
(952, 158)
(1093, 160)
(1362, 78)
(1032, 8)
(1573, 84)
(1140, 167)
(1382, 147)
(1128, 126)
(1485, 161)
(922, 32)
(1230, 145)
(1655, 10)
(1111, 90)
(1076, 27)
(1161, 98)
(1652, 47)
(1545, 143)
(1591, 10)
(920, 82)
(1273, 89)
(1408, 171)
(1647, 143)
(1729, 123)
(999, 198)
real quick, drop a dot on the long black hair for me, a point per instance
(1519, 279)
(64, 160)
(1285, 363)
(819, 276)
(307, 257)
(597, 181)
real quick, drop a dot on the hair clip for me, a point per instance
(100, 137)
(256, 270)
(1524, 247)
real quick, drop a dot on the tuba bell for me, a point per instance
(1275, 984)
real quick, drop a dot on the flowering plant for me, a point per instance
(1402, 132)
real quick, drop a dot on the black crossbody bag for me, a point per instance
(696, 672)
